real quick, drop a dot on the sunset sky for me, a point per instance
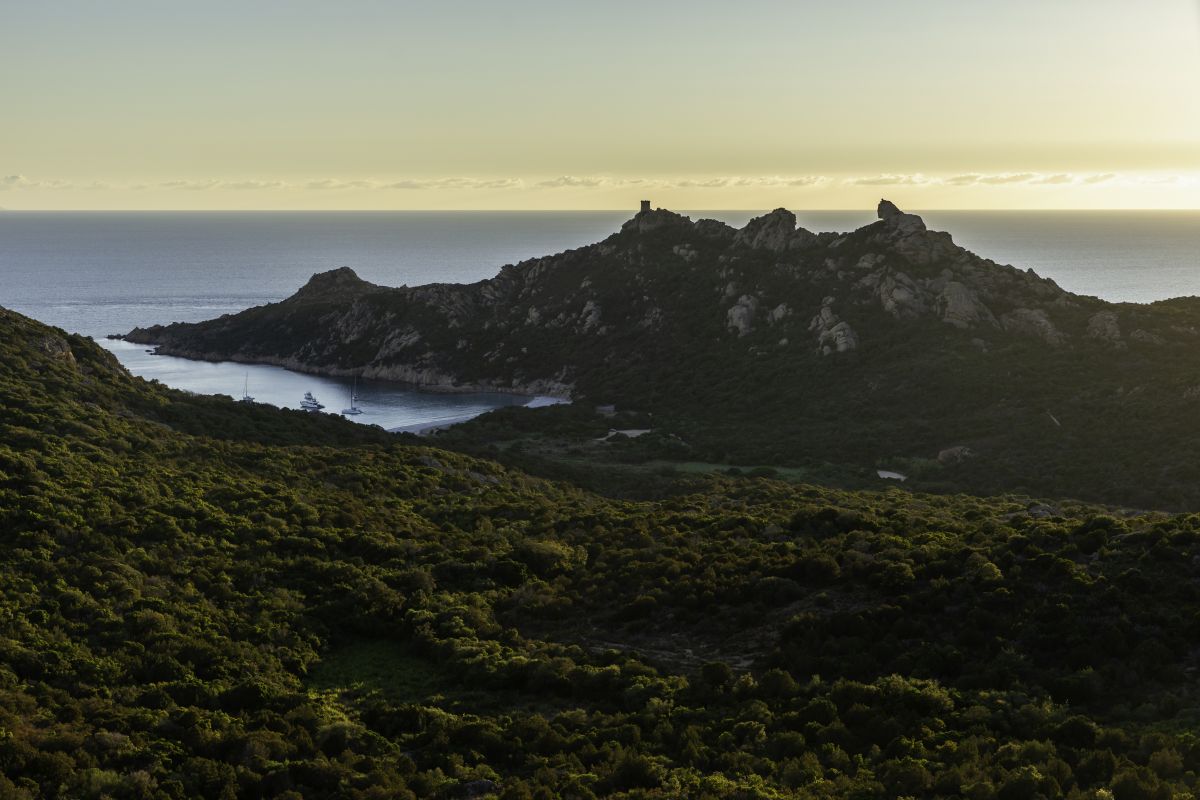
(149, 104)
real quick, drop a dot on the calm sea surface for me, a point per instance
(98, 273)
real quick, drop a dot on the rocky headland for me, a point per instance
(889, 343)
(540, 327)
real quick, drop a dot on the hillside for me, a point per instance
(248, 616)
(887, 346)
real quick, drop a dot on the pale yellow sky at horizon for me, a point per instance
(962, 190)
(541, 105)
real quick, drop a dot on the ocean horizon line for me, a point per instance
(630, 210)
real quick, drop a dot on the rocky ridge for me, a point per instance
(662, 288)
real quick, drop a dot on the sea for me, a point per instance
(102, 273)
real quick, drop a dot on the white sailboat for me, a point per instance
(353, 409)
(246, 398)
(309, 403)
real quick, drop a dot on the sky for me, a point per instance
(532, 104)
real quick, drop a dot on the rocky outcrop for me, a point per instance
(1033, 322)
(715, 229)
(833, 335)
(654, 220)
(686, 252)
(901, 297)
(959, 306)
(741, 316)
(772, 231)
(342, 283)
(906, 235)
(1103, 326)
(589, 317)
(897, 220)
(56, 347)
(778, 313)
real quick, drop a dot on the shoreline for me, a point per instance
(427, 426)
(549, 390)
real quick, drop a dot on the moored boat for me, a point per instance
(246, 398)
(353, 409)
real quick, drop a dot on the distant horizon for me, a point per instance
(965, 191)
(630, 211)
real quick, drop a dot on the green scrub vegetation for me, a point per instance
(204, 599)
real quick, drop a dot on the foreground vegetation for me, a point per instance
(205, 600)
